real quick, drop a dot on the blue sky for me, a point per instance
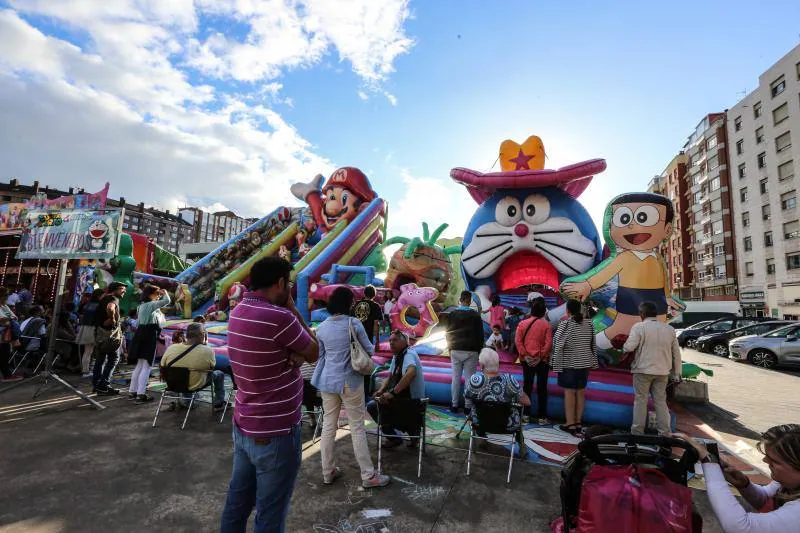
(621, 80)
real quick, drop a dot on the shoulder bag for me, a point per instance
(360, 359)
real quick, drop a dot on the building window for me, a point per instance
(792, 261)
(719, 249)
(743, 194)
(760, 135)
(783, 142)
(777, 86)
(767, 239)
(770, 266)
(762, 185)
(765, 212)
(748, 269)
(713, 162)
(786, 170)
(717, 227)
(737, 123)
(762, 160)
(746, 219)
(711, 142)
(757, 110)
(748, 244)
(779, 114)
(715, 184)
(739, 146)
(791, 230)
(742, 170)
(788, 200)
(697, 196)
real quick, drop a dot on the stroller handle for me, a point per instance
(590, 447)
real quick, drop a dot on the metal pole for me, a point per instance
(51, 342)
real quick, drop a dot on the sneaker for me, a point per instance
(454, 409)
(88, 375)
(217, 408)
(110, 391)
(377, 480)
(332, 476)
(143, 398)
(526, 419)
(544, 421)
(132, 395)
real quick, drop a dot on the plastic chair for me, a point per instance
(423, 411)
(177, 379)
(493, 417)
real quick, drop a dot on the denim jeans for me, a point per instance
(217, 377)
(104, 365)
(264, 472)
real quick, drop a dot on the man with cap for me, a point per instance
(398, 399)
(108, 338)
(339, 199)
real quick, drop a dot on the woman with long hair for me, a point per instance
(85, 339)
(150, 320)
(781, 448)
(573, 356)
(340, 385)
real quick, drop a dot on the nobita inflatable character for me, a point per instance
(530, 230)
(635, 224)
(341, 198)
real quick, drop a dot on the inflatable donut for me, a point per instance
(420, 298)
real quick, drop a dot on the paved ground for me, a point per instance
(746, 400)
(69, 469)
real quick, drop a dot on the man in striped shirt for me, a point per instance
(267, 342)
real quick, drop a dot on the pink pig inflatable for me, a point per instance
(421, 298)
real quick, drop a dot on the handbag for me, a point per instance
(360, 359)
(108, 341)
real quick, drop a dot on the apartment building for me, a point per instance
(765, 162)
(672, 184)
(710, 228)
(214, 227)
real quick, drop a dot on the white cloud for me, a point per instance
(430, 200)
(120, 106)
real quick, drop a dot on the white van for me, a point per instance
(699, 311)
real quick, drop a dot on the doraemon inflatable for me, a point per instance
(529, 232)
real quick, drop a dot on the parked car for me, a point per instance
(688, 337)
(778, 347)
(704, 311)
(694, 326)
(717, 343)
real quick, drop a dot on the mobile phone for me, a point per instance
(713, 451)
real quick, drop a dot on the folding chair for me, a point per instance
(177, 379)
(24, 352)
(423, 411)
(319, 416)
(492, 417)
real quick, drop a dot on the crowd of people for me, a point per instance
(278, 364)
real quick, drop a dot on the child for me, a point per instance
(495, 340)
(128, 330)
(513, 320)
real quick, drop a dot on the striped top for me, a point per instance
(270, 389)
(574, 346)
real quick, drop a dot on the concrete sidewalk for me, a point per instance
(68, 469)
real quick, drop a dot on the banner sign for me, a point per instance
(13, 216)
(71, 234)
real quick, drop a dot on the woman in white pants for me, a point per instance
(150, 320)
(339, 386)
(781, 448)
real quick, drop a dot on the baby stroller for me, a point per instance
(621, 483)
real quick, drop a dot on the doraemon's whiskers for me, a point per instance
(499, 256)
(579, 252)
(493, 234)
(554, 256)
(553, 231)
(504, 243)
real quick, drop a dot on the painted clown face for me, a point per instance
(529, 237)
(639, 226)
(338, 203)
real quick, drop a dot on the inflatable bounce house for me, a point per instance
(529, 233)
